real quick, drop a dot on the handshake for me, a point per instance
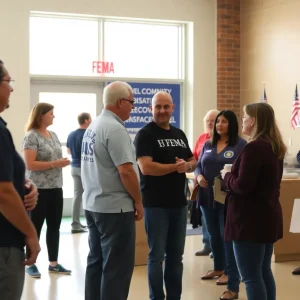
(181, 165)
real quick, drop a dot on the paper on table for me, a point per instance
(218, 194)
(295, 221)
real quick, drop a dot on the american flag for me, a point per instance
(295, 110)
(264, 97)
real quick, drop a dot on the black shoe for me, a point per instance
(81, 230)
(296, 271)
(203, 252)
(211, 255)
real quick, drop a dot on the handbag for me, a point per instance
(195, 192)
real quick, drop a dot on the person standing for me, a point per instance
(74, 144)
(111, 198)
(44, 163)
(254, 219)
(209, 121)
(223, 148)
(16, 195)
(163, 156)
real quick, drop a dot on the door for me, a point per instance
(69, 100)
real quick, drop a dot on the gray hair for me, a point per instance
(116, 90)
(214, 111)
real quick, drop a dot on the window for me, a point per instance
(63, 46)
(69, 46)
(143, 50)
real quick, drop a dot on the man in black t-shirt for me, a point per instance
(164, 156)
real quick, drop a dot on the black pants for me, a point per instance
(49, 207)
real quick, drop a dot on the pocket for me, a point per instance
(12, 257)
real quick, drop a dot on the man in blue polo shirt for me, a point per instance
(74, 143)
(16, 229)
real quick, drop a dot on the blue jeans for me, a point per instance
(214, 219)
(254, 263)
(231, 268)
(110, 261)
(205, 236)
(166, 231)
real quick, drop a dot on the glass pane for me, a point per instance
(154, 52)
(68, 183)
(63, 46)
(67, 106)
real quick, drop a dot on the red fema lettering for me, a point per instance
(103, 67)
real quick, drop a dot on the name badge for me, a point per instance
(228, 154)
(208, 151)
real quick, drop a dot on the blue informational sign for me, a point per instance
(143, 93)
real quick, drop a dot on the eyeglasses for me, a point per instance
(131, 101)
(11, 82)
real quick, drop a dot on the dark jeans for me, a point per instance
(49, 208)
(205, 236)
(214, 219)
(12, 273)
(254, 263)
(110, 261)
(166, 231)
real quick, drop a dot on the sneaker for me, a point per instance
(59, 269)
(33, 272)
(80, 230)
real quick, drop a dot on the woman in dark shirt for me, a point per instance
(224, 148)
(254, 216)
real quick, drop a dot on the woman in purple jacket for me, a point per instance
(254, 216)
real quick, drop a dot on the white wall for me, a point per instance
(201, 88)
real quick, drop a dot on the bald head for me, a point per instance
(115, 91)
(162, 95)
(162, 108)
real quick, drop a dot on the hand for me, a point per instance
(224, 172)
(61, 163)
(33, 249)
(181, 165)
(202, 181)
(30, 200)
(138, 211)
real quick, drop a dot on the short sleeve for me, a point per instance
(68, 141)
(120, 147)
(143, 144)
(30, 141)
(6, 156)
(190, 153)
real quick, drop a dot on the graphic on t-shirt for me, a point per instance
(228, 154)
(171, 143)
(88, 143)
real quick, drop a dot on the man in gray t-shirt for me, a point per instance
(111, 198)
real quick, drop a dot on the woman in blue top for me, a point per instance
(223, 148)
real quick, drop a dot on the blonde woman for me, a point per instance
(254, 216)
(44, 163)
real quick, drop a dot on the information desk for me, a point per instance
(288, 248)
